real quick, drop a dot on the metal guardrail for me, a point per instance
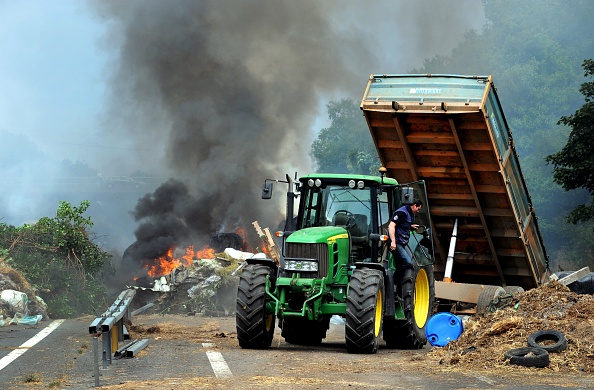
(111, 324)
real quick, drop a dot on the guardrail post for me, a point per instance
(107, 347)
(96, 359)
(111, 326)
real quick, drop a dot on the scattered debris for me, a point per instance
(18, 302)
(509, 322)
(205, 286)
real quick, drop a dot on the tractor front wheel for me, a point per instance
(255, 327)
(364, 313)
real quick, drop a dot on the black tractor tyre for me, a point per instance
(513, 289)
(418, 296)
(255, 327)
(528, 357)
(487, 295)
(558, 338)
(300, 331)
(364, 313)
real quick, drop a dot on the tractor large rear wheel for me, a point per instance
(364, 312)
(255, 327)
(418, 295)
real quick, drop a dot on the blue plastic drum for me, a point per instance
(443, 328)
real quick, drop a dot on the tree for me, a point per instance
(573, 166)
(59, 259)
(531, 53)
(346, 145)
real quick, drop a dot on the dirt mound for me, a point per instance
(511, 319)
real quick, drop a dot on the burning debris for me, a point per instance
(184, 280)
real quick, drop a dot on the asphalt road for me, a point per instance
(200, 352)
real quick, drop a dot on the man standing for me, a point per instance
(399, 230)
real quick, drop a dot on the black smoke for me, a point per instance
(228, 92)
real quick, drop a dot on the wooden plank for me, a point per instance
(454, 211)
(450, 196)
(461, 226)
(511, 233)
(398, 165)
(495, 212)
(511, 252)
(433, 138)
(436, 153)
(389, 144)
(433, 170)
(484, 167)
(490, 189)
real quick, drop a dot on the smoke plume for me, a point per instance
(227, 93)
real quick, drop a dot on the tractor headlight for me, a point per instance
(301, 265)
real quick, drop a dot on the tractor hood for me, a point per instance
(317, 235)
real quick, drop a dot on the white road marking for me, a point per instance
(6, 360)
(217, 362)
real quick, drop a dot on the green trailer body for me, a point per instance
(450, 131)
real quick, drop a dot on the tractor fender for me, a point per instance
(267, 262)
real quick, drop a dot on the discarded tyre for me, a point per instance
(528, 357)
(536, 340)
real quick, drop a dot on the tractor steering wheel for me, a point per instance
(350, 218)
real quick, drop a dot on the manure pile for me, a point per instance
(511, 319)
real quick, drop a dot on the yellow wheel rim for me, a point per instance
(421, 298)
(269, 322)
(379, 304)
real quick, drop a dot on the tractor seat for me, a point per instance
(359, 232)
(340, 220)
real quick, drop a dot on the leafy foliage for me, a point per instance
(531, 53)
(574, 164)
(346, 145)
(57, 256)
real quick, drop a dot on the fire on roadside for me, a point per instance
(165, 264)
(172, 259)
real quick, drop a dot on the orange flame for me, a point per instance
(206, 253)
(242, 233)
(165, 264)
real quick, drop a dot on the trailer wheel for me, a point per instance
(486, 297)
(364, 313)
(418, 290)
(558, 338)
(255, 327)
(528, 357)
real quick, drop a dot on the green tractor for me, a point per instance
(336, 262)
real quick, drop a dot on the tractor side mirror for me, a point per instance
(267, 190)
(407, 195)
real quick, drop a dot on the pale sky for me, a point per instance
(52, 74)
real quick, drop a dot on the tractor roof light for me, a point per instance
(310, 182)
(318, 183)
(351, 183)
(360, 184)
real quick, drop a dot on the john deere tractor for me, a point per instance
(336, 262)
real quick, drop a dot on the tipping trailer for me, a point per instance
(450, 131)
